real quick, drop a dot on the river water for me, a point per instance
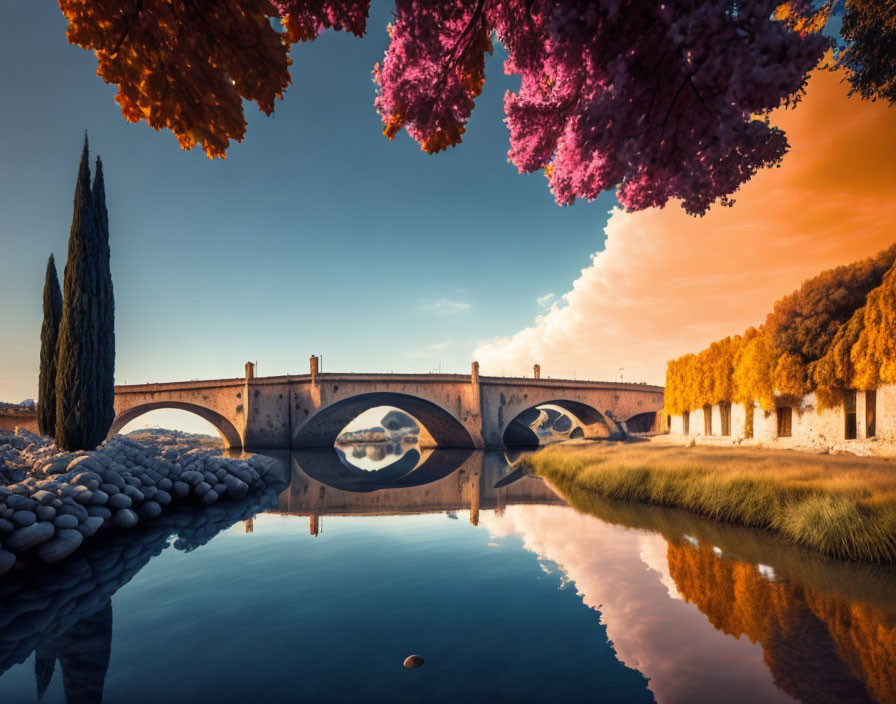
(509, 590)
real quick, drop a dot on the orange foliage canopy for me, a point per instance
(186, 66)
(837, 332)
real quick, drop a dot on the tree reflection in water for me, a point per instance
(63, 612)
(818, 646)
(827, 628)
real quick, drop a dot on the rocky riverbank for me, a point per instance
(52, 501)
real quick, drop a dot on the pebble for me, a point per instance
(412, 661)
(99, 512)
(29, 536)
(24, 518)
(149, 510)
(91, 526)
(73, 509)
(63, 544)
(17, 502)
(118, 501)
(65, 521)
(125, 518)
(43, 496)
(46, 513)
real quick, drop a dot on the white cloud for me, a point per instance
(545, 300)
(667, 283)
(429, 350)
(446, 306)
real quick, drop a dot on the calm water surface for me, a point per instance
(320, 591)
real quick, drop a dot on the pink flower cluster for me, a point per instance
(660, 99)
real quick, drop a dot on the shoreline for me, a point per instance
(842, 506)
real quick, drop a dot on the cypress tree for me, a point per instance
(77, 426)
(49, 334)
(106, 303)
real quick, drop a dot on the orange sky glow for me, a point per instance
(668, 283)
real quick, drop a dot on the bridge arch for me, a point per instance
(643, 422)
(322, 429)
(592, 423)
(228, 432)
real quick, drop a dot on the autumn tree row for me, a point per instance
(837, 332)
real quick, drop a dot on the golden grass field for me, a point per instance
(841, 505)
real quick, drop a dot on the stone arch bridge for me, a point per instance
(455, 410)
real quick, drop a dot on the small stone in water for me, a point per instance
(412, 661)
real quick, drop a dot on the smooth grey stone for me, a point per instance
(6, 526)
(210, 496)
(18, 502)
(170, 455)
(7, 560)
(91, 526)
(202, 488)
(43, 496)
(132, 481)
(114, 478)
(65, 521)
(100, 511)
(149, 510)
(73, 509)
(29, 536)
(210, 478)
(46, 513)
(88, 479)
(82, 495)
(62, 545)
(162, 497)
(100, 497)
(118, 501)
(110, 489)
(149, 492)
(220, 489)
(125, 518)
(135, 494)
(24, 518)
(191, 477)
(165, 484)
(180, 489)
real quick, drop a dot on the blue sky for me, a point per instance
(316, 236)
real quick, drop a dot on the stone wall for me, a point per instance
(12, 417)
(810, 426)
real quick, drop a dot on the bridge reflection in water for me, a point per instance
(431, 481)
